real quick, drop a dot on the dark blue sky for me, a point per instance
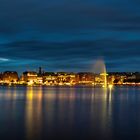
(69, 35)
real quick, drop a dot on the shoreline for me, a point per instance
(68, 86)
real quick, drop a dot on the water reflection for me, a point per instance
(44, 112)
(59, 108)
(101, 112)
(33, 114)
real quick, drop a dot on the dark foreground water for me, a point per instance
(28, 113)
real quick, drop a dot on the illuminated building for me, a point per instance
(85, 78)
(98, 80)
(10, 77)
(65, 78)
(117, 78)
(39, 80)
(29, 77)
(70, 79)
(111, 79)
(50, 78)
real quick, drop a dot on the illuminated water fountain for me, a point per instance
(105, 79)
(100, 68)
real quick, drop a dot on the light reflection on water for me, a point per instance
(49, 112)
(33, 115)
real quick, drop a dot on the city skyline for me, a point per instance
(69, 35)
(43, 78)
(69, 69)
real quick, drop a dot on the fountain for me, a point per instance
(105, 79)
(100, 68)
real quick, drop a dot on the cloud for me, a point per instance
(70, 34)
(73, 55)
(67, 15)
(4, 59)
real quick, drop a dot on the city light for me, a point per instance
(110, 86)
(105, 80)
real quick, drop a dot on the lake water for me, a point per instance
(28, 113)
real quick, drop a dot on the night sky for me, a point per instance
(69, 35)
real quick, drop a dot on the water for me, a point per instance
(69, 113)
(100, 68)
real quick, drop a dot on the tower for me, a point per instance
(40, 71)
